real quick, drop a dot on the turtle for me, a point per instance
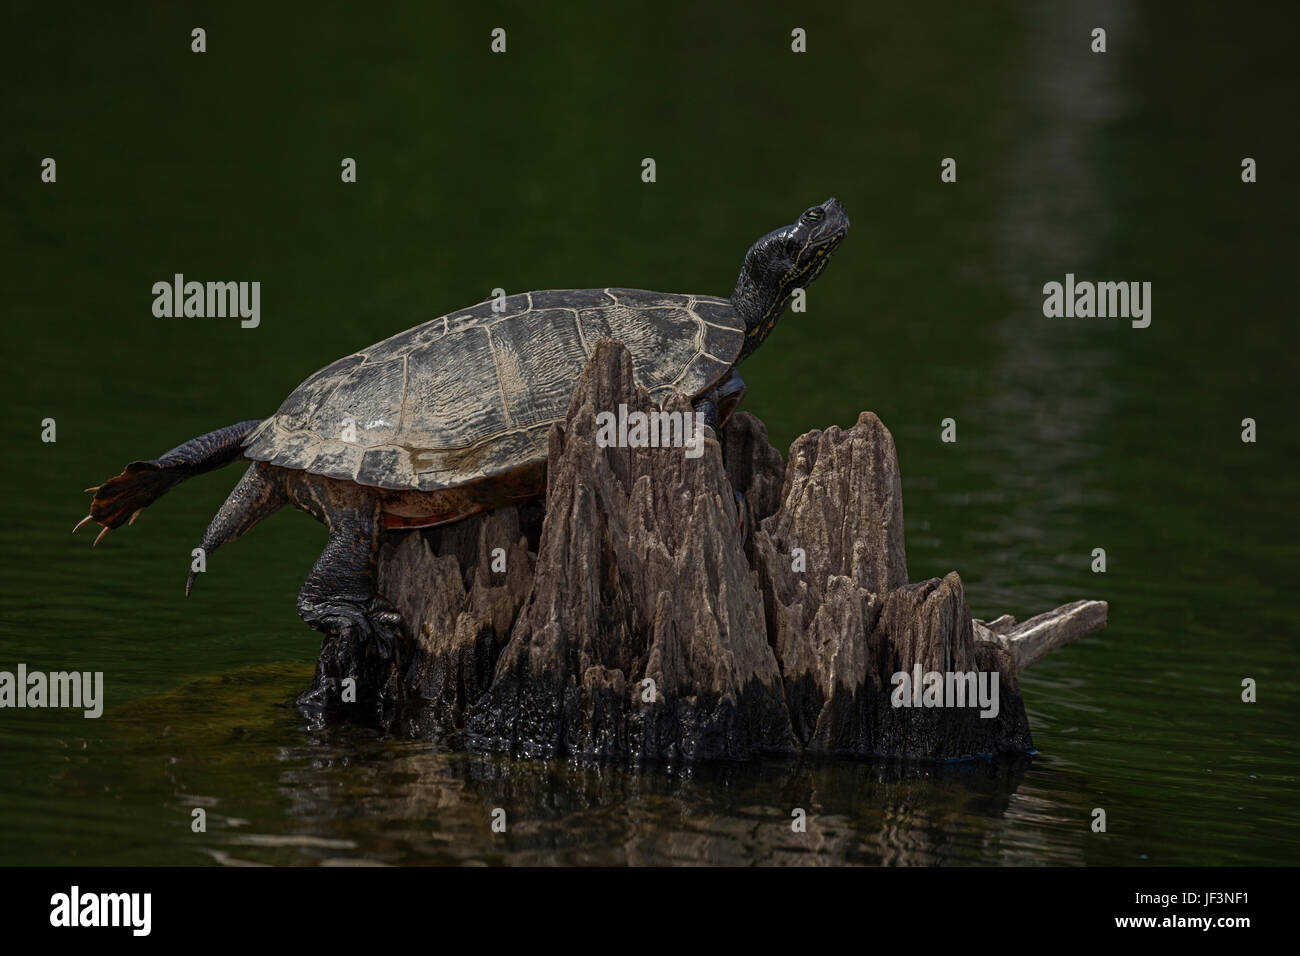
(451, 417)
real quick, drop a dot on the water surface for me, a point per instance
(523, 171)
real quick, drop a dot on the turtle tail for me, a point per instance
(120, 499)
(259, 494)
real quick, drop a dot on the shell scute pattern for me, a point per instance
(539, 356)
(474, 393)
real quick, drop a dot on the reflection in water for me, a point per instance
(277, 795)
(437, 807)
(1060, 213)
(1051, 392)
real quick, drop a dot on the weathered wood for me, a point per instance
(1043, 633)
(632, 620)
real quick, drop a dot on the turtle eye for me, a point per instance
(813, 215)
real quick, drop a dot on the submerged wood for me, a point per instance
(629, 618)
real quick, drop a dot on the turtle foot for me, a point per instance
(373, 623)
(120, 499)
(387, 628)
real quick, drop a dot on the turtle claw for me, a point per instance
(121, 498)
(387, 627)
(78, 525)
(373, 621)
(100, 535)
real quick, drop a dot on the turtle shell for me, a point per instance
(473, 394)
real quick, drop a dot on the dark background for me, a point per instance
(522, 171)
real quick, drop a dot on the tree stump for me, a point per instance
(631, 617)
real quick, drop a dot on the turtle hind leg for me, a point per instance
(339, 597)
(259, 494)
(364, 635)
(118, 500)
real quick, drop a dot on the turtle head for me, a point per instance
(784, 260)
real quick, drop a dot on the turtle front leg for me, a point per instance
(339, 597)
(715, 407)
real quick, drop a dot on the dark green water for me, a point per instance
(523, 171)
